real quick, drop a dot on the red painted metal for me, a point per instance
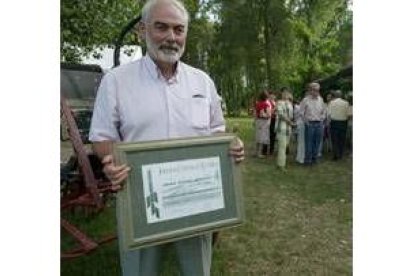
(91, 183)
(87, 191)
(86, 244)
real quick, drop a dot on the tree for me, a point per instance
(249, 46)
(87, 24)
(266, 44)
(318, 27)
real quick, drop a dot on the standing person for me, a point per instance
(327, 129)
(284, 127)
(338, 116)
(299, 132)
(300, 129)
(272, 133)
(325, 140)
(350, 118)
(157, 97)
(290, 100)
(262, 122)
(314, 112)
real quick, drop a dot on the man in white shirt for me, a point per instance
(338, 116)
(158, 97)
(313, 112)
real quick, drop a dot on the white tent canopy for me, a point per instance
(107, 60)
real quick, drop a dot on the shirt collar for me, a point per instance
(155, 72)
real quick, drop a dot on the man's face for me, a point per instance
(313, 91)
(328, 97)
(166, 33)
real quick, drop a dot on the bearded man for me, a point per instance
(154, 98)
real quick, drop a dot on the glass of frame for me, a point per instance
(176, 189)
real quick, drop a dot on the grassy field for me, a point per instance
(297, 223)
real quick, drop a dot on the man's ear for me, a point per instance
(141, 31)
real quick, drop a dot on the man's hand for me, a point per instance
(115, 174)
(237, 150)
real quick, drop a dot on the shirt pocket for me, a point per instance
(200, 113)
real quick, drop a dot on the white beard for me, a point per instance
(170, 56)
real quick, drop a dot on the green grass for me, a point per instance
(297, 223)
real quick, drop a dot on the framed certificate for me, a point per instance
(177, 189)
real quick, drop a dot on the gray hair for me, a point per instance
(337, 93)
(315, 85)
(147, 9)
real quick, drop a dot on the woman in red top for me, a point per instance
(262, 122)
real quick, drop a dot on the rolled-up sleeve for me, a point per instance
(105, 119)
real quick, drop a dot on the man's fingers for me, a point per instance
(119, 179)
(237, 152)
(237, 149)
(239, 159)
(111, 170)
(115, 174)
(117, 169)
(107, 159)
(122, 174)
(238, 155)
(116, 188)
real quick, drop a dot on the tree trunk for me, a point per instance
(267, 48)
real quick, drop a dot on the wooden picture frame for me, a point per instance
(177, 189)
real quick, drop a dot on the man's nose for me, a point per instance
(170, 35)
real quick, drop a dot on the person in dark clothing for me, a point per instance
(269, 149)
